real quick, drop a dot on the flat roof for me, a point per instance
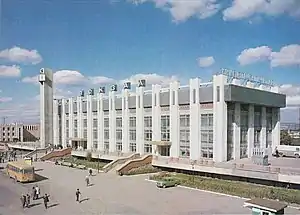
(266, 204)
(20, 164)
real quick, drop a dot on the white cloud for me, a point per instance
(151, 78)
(293, 94)
(287, 56)
(10, 71)
(241, 9)
(71, 77)
(5, 99)
(182, 10)
(253, 55)
(19, 55)
(206, 61)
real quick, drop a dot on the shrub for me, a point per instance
(143, 170)
(89, 156)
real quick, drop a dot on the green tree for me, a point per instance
(285, 138)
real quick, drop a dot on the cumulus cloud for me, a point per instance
(241, 9)
(151, 78)
(287, 56)
(253, 55)
(182, 10)
(20, 55)
(293, 94)
(206, 61)
(10, 71)
(5, 99)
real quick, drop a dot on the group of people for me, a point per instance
(8, 155)
(25, 199)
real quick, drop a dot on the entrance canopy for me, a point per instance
(78, 139)
(160, 143)
(266, 205)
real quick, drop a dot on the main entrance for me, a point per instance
(78, 143)
(162, 148)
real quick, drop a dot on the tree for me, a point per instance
(285, 138)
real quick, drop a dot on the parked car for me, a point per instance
(167, 182)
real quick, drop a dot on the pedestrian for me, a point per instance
(34, 193)
(27, 200)
(23, 200)
(37, 191)
(91, 172)
(78, 195)
(46, 200)
(87, 180)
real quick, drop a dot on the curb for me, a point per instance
(216, 193)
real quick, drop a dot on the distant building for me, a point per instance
(16, 132)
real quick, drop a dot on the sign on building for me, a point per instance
(81, 93)
(142, 83)
(127, 86)
(101, 89)
(114, 88)
(91, 92)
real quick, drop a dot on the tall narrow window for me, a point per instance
(194, 96)
(173, 97)
(218, 93)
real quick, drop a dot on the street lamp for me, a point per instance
(193, 169)
(98, 164)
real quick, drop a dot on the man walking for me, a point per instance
(87, 180)
(37, 191)
(27, 200)
(78, 195)
(46, 200)
(33, 193)
(23, 200)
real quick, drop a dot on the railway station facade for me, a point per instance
(221, 120)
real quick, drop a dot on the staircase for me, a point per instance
(56, 154)
(37, 153)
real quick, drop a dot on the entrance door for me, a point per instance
(165, 150)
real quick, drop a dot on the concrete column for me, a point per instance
(79, 117)
(125, 121)
(63, 123)
(195, 122)
(263, 132)
(71, 118)
(220, 119)
(276, 127)
(237, 131)
(100, 116)
(89, 122)
(250, 130)
(55, 123)
(140, 120)
(112, 122)
(156, 113)
(174, 119)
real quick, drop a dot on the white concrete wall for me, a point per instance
(100, 122)
(55, 123)
(156, 113)
(195, 122)
(63, 124)
(71, 120)
(220, 120)
(112, 122)
(174, 119)
(125, 121)
(263, 132)
(140, 120)
(79, 118)
(250, 130)
(276, 127)
(89, 123)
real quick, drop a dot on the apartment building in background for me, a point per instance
(17, 132)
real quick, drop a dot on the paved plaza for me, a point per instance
(112, 195)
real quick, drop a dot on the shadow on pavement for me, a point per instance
(83, 200)
(37, 170)
(90, 185)
(34, 204)
(53, 205)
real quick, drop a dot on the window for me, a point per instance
(75, 123)
(173, 97)
(106, 122)
(165, 128)
(119, 134)
(95, 134)
(207, 135)
(148, 121)
(106, 146)
(95, 145)
(132, 147)
(207, 120)
(67, 123)
(132, 135)
(218, 93)
(95, 123)
(84, 133)
(119, 146)
(84, 123)
(132, 121)
(119, 122)
(106, 134)
(184, 120)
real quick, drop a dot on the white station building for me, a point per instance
(221, 120)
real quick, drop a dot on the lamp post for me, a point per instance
(98, 164)
(193, 167)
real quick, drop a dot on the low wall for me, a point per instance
(131, 164)
(57, 154)
(117, 161)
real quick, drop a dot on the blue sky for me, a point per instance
(92, 43)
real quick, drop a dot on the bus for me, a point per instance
(20, 171)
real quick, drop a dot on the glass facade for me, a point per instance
(132, 134)
(207, 135)
(244, 125)
(184, 141)
(148, 134)
(230, 124)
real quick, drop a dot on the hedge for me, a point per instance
(143, 170)
(237, 188)
(88, 164)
